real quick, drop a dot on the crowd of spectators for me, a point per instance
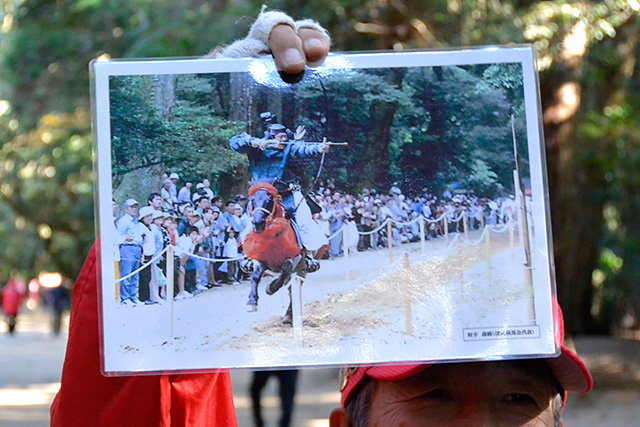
(363, 215)
(207, 231)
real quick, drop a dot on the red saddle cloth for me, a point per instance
(87, 398)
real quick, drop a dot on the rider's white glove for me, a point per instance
(259, 143)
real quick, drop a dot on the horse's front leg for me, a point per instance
(258, 271)
(285, 274)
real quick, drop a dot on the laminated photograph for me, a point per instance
(388, 207)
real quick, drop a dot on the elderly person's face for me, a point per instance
(464, 394)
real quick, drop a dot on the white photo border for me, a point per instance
(543, 277)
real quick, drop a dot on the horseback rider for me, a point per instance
(268, 159)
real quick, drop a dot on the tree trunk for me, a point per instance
(576, 217)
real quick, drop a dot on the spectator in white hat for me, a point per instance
(130, 252)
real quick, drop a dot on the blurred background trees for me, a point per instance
(590, 100)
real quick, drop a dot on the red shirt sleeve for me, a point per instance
(86, 397)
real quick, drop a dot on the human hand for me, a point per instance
(292, 51)
(259, 143)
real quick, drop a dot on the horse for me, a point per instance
(271, 245)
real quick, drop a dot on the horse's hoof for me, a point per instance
(287, 320)
(251, 308)
(276, 284)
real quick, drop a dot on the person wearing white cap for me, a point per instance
(165, 193)
(174, 187)
(147, 289)
(130, 252)
(206, 187)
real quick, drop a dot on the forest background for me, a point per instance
(430, 129)
(589, 76)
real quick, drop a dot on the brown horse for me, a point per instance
(272, 244)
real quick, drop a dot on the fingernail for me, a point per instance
(313, 43)
(293, 57)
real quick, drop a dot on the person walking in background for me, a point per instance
(287, 391)
(58, 300)
(12, 295)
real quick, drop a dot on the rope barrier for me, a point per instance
(380, 227)
(494, 229)
(143, 266)
(431, 221)
(480, 239)
(337, 232)
(152, 261)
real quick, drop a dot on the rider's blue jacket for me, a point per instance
(271, 163)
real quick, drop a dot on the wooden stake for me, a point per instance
(170, 283)
(390, 240)
(465, 225)
(489, 254)
(296, 308)
(407, 297)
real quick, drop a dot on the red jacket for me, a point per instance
(86, 398)
(11, 298)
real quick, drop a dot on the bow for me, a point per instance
(325, 126)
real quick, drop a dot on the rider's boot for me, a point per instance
(284, 277)
(312, 264)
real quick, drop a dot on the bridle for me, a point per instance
(270, 214)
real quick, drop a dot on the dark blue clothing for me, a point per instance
(271, 163)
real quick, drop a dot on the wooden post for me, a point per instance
(422, 237)
(116, 270)
(445, 221)
(170, 283)
(465, 225)
(511, 242)
(460, 263)
(489, 254)
(345, 240)
(390, 240)
(407, 297)
(296, 308)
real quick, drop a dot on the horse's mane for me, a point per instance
(269, 188)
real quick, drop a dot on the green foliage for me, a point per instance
(46, 196)
(188, 138)
(45, 48)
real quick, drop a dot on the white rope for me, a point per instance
(435, 220)
(457, 219)
(405, 223)
(480, 239)
(380, 227)
(455, 237)
(143, 266)
(239, 257)
(337, 232)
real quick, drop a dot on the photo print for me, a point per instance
(389, 207)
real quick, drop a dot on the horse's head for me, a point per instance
(265, 204)
(262, 208)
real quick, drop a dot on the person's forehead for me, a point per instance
(486, 376)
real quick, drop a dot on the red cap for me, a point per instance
(569, 370)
